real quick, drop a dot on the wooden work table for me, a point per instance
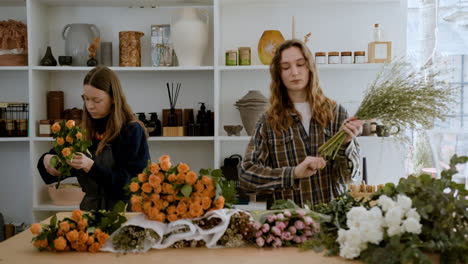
(19, 249)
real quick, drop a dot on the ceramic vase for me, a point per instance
(189, 35)
(130, 48)
(267, 45)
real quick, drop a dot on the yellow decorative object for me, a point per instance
(267, 45)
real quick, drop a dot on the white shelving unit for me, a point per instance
(335, 25)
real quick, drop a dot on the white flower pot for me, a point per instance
(189, 35)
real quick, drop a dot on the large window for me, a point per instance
(443, 24)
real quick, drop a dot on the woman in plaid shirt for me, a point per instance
(282, 159)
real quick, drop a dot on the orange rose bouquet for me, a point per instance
(68, 141)
(80, 232)
(166, 193)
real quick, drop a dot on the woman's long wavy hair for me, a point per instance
(121, 114)
(281, 106)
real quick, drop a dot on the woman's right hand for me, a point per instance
(49, 169)
(308, 167)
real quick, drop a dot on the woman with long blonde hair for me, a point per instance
(120, 150)
(282, 159)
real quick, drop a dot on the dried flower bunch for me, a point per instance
(68, 141)
(401, 96)
(133, 238)
(16, 32)
(167, 193)
(240, 231)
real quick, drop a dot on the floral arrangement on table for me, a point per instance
(288, 225)
(82, 232)
(404, 97)
(68, 141)
(167, 193)
(420, 215)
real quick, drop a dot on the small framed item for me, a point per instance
(380, 51)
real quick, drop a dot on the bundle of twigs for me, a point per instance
(401, 96)
(173, 95)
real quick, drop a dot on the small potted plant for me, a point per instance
(68, 141)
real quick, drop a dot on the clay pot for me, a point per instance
(251, 108)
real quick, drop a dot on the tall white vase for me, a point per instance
(189, 35)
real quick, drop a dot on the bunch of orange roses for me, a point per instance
(68, 234)
(68, 141)
(167, 193)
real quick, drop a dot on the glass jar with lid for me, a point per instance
(333, 57)
(359, 57)
(231, 58)
(320, 57)
(346, 57)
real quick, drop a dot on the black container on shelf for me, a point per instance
(154, 125)
(142, 118)
(190, 125)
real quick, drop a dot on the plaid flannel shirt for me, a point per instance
(270, 159)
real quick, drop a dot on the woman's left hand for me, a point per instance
(352, 126)
(81, 161)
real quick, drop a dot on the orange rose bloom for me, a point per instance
(160, 175)
(153, 213)
(79, 135)
(172, 217)
(172, 178)
(180, 178)
(170, 189)
(136, 207)
(94, 247)
(170, 198)
(157, 189)
(35, 229)
(199, 187)
(220, 202)
(66, 152)
(55, 127)
(155, 197)
(72, 236)
(182, 168)
(191, 178)
(196, 210)
(206, 203)
(171, 209)
(136, 199)
(90, 240)
(83, 237)
(161, 217)
(70, 124)
(166, 165)
(65, 226)
(154, 180)
(40, 243)
(163, 158)
(69, 139)
(134, 186)
(206, 180)
(159, 205)
(181, 208)
(146, 187)
(154, 168)
(82, 224)
(146, 206)
(142, 177)
(102, 238)
(76, 215)
(165, 204)
(60, 141)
